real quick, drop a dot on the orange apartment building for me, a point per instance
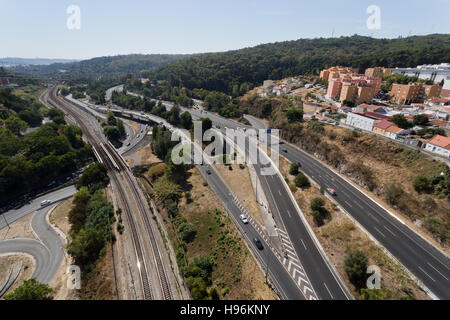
(413, 92)
(377, 72)
(349, 92)
(345, 83)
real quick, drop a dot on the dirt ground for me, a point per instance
(239, 271)
(339, 235)
(240, 182)
(18, 229)
(59, 218)
(146, 155)
(401, 173)
(7, 261)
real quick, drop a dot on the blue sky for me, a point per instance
(37, 28)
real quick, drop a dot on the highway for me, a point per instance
(426, 262)
(430, 265)
(327, 282)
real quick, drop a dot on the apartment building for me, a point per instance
(345, 84)
(436, 73)
(336, 72)
(414, 92)
(405, 93)
(377, 72)
(349, 92)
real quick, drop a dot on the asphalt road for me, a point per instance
(47, 252)
(35, 204)
(427, 263)
(266, 256)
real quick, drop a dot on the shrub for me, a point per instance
(302, 181)
(317, 204)
(294, 169)
(293, 187)
(188, 232)
(393, 192)
(317, 216)
(422, 184)
(355, 266)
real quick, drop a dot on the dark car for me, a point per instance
(208, 172)
(258, 244)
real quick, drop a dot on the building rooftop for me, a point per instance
(440, 141)
(383, 124)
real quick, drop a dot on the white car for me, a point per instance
(243, 219)
(45, 203)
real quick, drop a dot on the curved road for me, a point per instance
(47, 252)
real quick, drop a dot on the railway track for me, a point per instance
(162, 275)
(112, 167)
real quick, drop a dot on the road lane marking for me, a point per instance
(348, 204)
(304, 244)
(390, 231)
(289, 214)
(379, 231)
(437, 270)
(328, 290)
(427, 274)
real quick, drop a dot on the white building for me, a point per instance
(436, 72)
(360, 121)
(439, 145)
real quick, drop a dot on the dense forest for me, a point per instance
(234, 71)
(30, 161)
(102, 67)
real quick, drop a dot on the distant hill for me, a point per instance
(8, 62)
(102, 67)
(227, 71)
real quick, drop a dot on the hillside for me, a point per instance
(25, 61)
(225, 71)
(101, 67)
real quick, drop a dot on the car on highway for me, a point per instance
(128, 144)
(45, 203)
(258, 244)
(208, 172)
(285, 150)
(331, 191)
(243, 219)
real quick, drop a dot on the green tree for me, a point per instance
(302, 181)
(15, 124)
(401, 121)
(186, 120)
(94, 177)
(86, 246)
(355, 265)
(294, 115)
(31, 290)
(420, 119)
(294, 169)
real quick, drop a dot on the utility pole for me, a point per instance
(7, 224)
